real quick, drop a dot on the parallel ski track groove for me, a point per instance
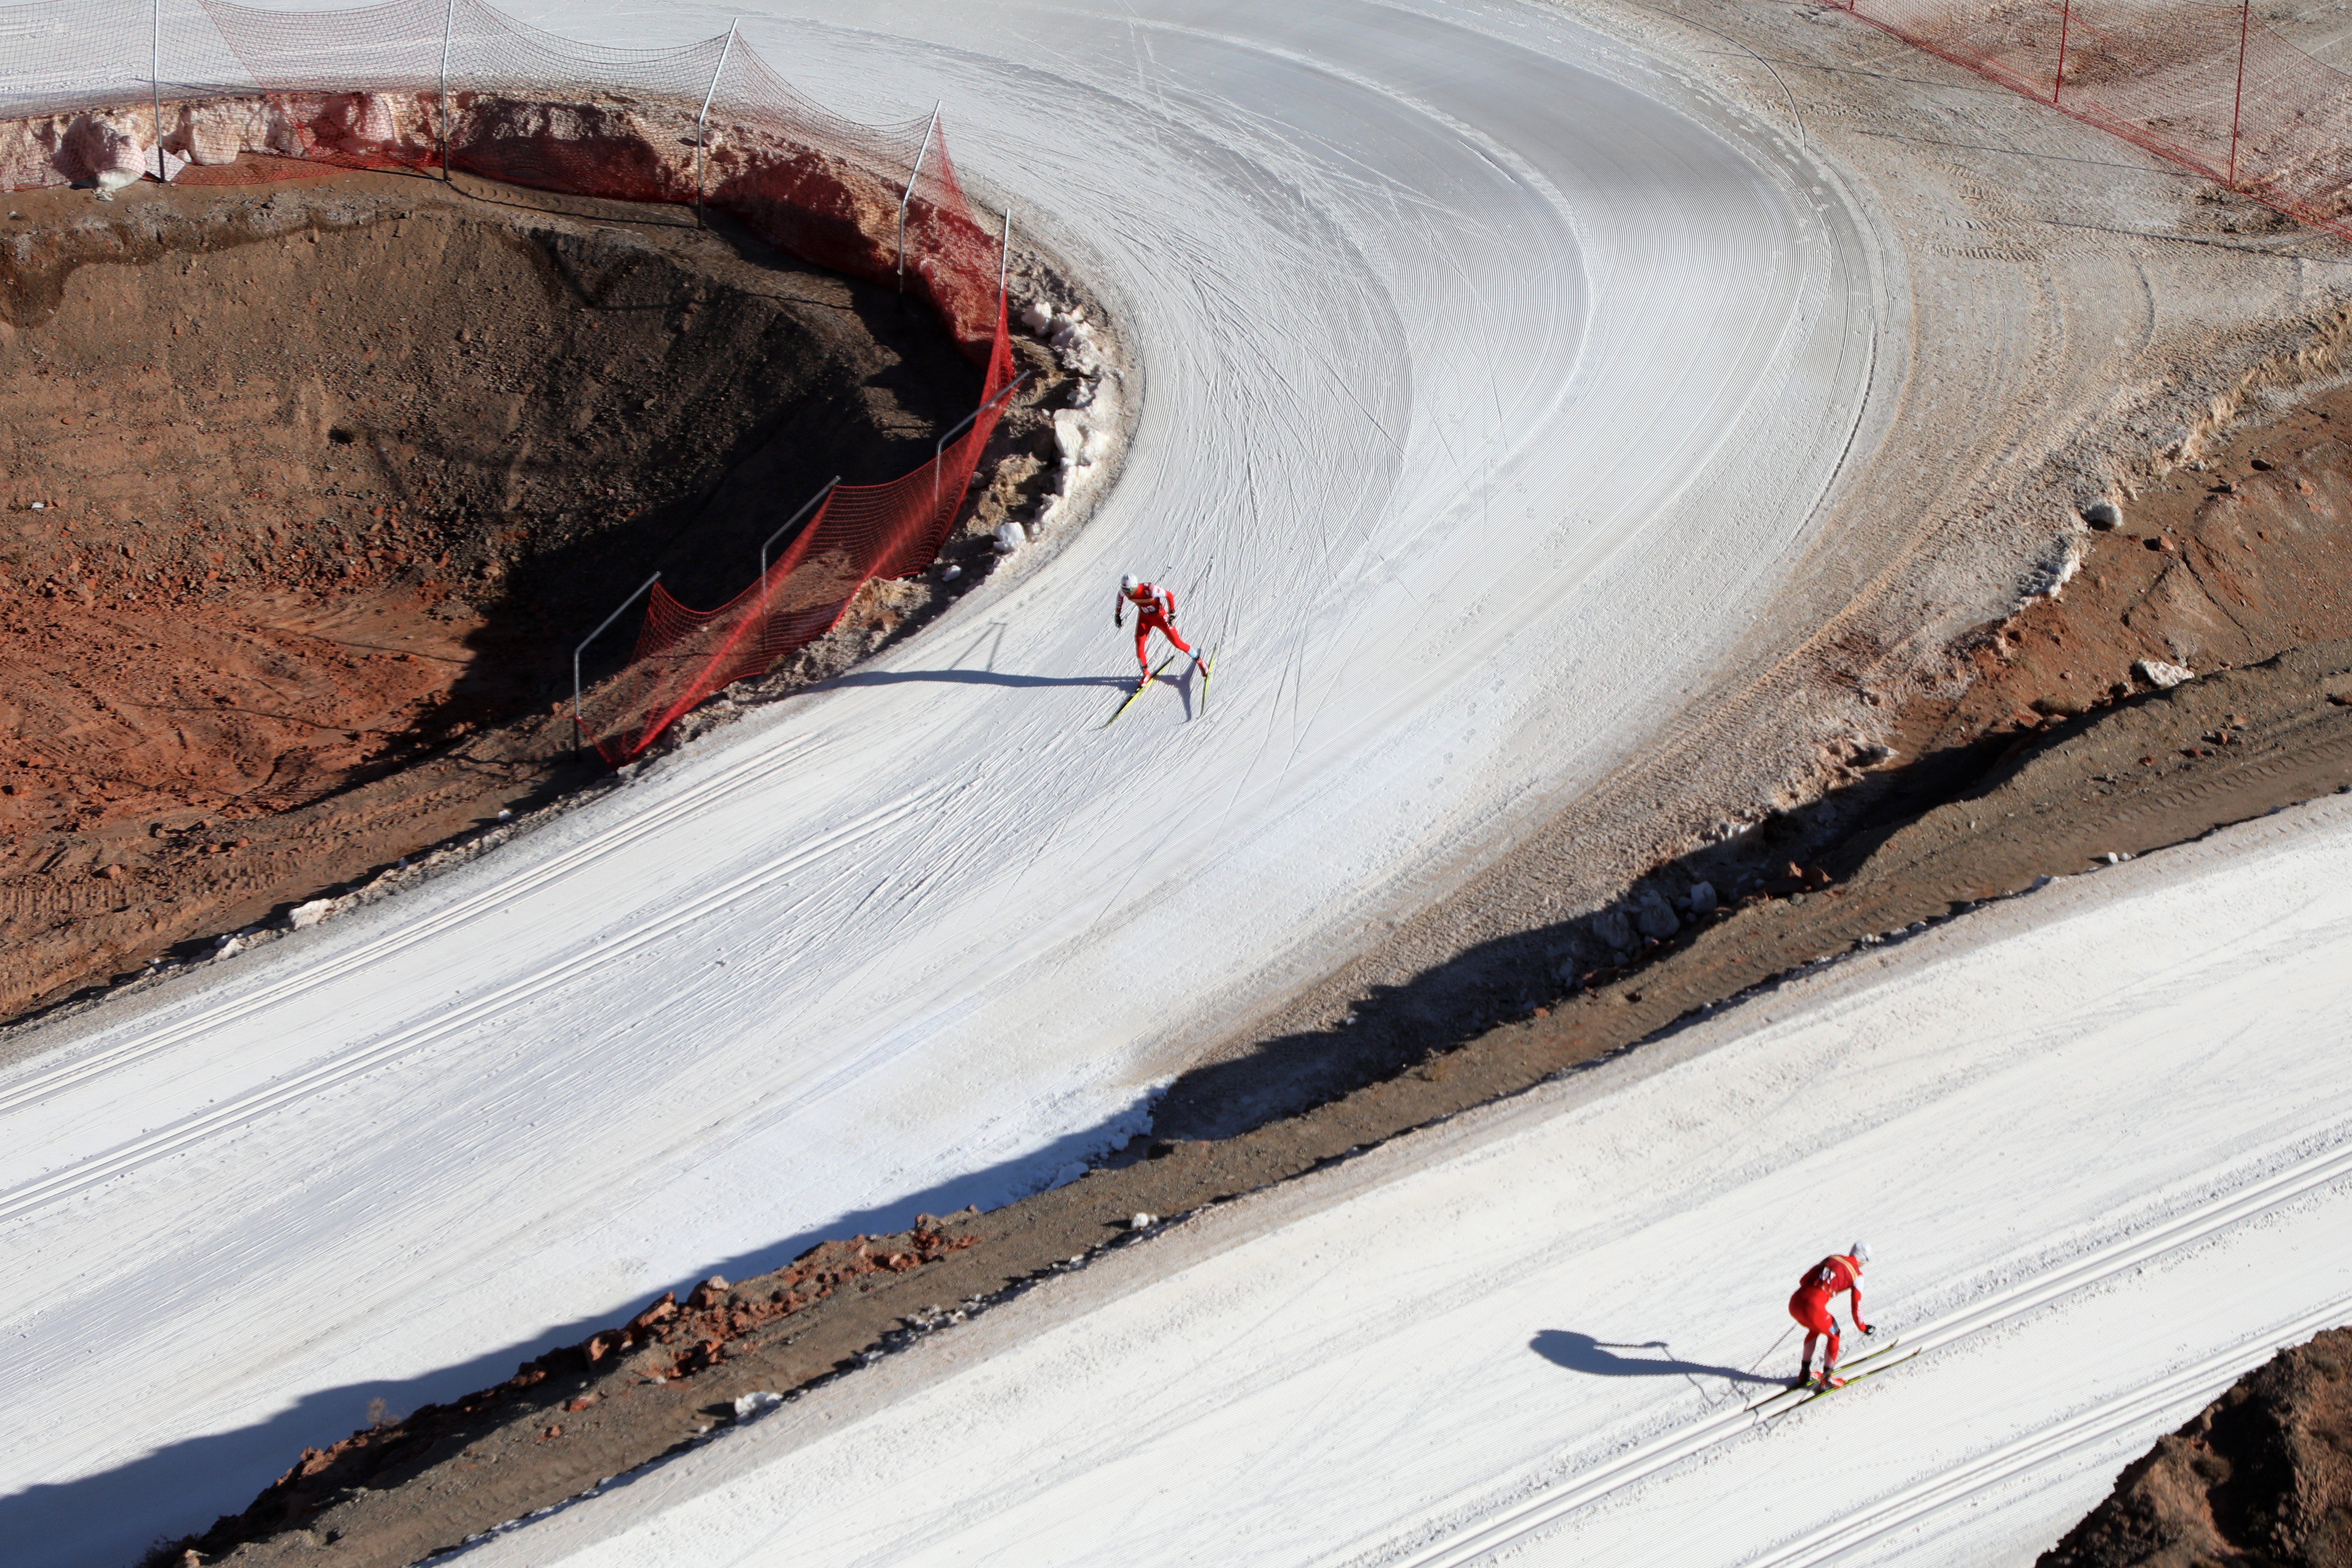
(2194, 1384)
(2099, 1264)
(42, 1085)
(281, 1093)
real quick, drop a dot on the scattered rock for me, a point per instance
(1702, 899)
(304, 916)
(1010, 537)
(1653, 916)
(752, 1406)
(2160, 674)
(1142, 1221)
(2103, 515)
(1613, 931)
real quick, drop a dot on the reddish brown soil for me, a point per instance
(2223, 565)
(2260, 1479)
(307, 491)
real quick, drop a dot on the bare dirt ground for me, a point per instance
(2044, 754)
(2262, 1476)
(308, 489)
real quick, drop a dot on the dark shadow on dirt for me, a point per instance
(106, 1519)
(736, 399)
(1395, 1027)
(1598, 1358)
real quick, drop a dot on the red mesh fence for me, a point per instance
(243, 94)
(2207, 87)
(861, 532)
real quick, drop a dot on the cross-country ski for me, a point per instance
(1142, 684)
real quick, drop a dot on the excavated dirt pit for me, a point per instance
(307, 491)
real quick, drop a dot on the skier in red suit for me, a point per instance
(1823, 1283)
(1155, 611)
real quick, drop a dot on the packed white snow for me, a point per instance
(1489, 381)
(2094, 1196)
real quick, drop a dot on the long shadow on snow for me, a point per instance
(107, 1519)
(1597, 1358)
(961, 677)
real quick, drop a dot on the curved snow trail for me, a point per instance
(2114, 1182)
(1491, 381)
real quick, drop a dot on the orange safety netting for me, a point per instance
(248, 93)
(2207, 87)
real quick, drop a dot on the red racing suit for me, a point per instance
(1823, 1283)
(1155, 611)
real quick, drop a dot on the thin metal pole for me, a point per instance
(579, 729)
(155, 81)
(703, 119)
(2058, 83)
(448, 30)
(2246, 20)
(771, 538)
(939, 450)
(921, 153)
(1004, 259)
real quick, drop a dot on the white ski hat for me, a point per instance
(1858, 1252)
(1127, 583)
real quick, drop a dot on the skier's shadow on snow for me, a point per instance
(968, 677)
(1582, 1352)
(1182, 684)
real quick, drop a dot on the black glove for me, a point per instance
(1118, 620)
(1867, 1328)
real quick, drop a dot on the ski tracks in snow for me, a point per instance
(2126, 1412)
(2092, 1206)
(1491, 378)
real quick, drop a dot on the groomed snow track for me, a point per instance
(2096, 1195)
(1493, 379)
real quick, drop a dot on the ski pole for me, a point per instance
(1760, 1360)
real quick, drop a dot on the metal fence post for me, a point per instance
(1005, 258)
(2245, 21)
(702, 119)
(579, 729)
(938, 451)
(155, 81)
(448, 29)
(771, 538)
(2058, 83)
(921, 153)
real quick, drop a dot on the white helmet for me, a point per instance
(1858, 1252)
(1127, 584)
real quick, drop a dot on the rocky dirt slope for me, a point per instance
(2262, 1477)
(306, 490)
